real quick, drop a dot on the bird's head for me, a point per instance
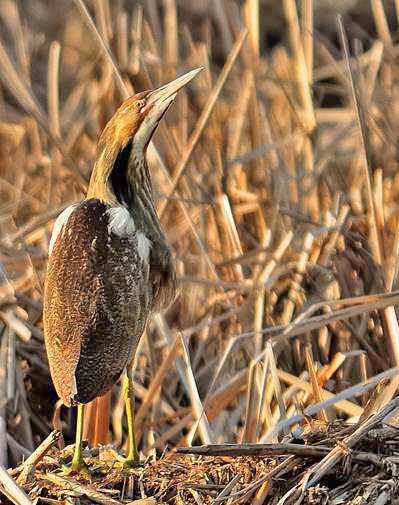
(122, 146)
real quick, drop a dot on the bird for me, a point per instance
(109, 267)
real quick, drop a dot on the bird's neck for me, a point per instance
(122, 178)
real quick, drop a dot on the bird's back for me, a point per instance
(97, 298)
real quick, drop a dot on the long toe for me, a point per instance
(128, 462)
(78, 468)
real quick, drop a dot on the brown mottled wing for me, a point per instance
(162, 276)
(96, 304)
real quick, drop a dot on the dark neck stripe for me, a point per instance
(132, 188)
(119, 176)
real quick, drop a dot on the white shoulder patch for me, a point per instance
(59, 223)
(143, 246)
(120, 222)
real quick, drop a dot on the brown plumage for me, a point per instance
(109, 264)
(98, 297)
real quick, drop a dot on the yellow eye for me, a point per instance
(139, 104)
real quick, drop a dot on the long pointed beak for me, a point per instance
(167, 92)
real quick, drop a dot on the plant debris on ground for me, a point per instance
(240, 473)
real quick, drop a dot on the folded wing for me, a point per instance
(96, 301)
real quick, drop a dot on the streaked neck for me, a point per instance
(122, 179)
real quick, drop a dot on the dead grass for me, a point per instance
(276, 179)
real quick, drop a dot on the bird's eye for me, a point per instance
(139, 104)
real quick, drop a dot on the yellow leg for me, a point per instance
(132, 455)
(77, 460)
(77, 464)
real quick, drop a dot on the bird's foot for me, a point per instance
(116, 460)
(130, 461)
(76, 467)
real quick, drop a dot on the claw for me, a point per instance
(128, 462)
(76, 467)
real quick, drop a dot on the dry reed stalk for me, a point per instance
(11, 16)
(122, 86)
(375, 237)
(39, 453)
(264, 414)
(251, 15)
(314, 474)
(229, 488)
(322, 415)
(293, 296)
(307, 16)
(137, 31)
(12, 490)
(171, 48)
(232, 245)
(334, 400)
(203, 424)
(376, 231)
(316, 322)
(348, 407)
(250, 425)
(3, 404)
(186, 375)
(195, 136)
(261, 280)
(381, 22)
(23, 94)
(122, 40)
(81, 489)
(16, 325)
(11, 365)
(275, 380)
(302, 74)
(53, 106)
(156, 383)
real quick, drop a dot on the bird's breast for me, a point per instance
(121, 224)
(152, 249)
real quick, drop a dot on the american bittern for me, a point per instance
(109, 265)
